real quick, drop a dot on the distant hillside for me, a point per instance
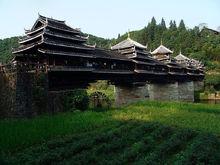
(204, 46)
(99, 42)
(6, 46)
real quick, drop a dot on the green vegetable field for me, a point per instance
(142, 133)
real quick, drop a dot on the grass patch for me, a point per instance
(202, 117)
(143, 132)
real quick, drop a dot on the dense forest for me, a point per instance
(201, 45)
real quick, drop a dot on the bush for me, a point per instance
(212, 82)
(99, 101)
(77, 99)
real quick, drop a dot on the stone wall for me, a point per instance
(164, 91)
(7, 93)
(129, 94)
(186, 91)
(23, 94)
(177, 91)
(198, 85)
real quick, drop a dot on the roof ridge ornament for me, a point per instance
(161, 41)
(46, 20)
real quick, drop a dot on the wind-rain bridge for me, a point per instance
(62, 53)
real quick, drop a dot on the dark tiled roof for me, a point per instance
(102, 53)
(65, 53)
(67, 44)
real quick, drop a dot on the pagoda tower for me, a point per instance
(194, 68)
(144, 63)
(52, 42)
(163, 54)
(56, 47)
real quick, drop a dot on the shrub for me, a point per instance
(99, 101)
(77, 99)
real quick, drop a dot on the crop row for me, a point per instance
(127, 142)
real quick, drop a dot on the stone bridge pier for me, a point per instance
(130, 94)
(175, 91)
(198, 85)
(23, 97)
(31, 94)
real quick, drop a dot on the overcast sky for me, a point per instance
(106, 18)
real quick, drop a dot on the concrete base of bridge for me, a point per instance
(186, 91)
(24, 94)
(177, 91)
(31, 96)
(198, 85)
(129, 94)
(163, 91)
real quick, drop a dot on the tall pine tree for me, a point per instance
(182, 26)
(163, 24)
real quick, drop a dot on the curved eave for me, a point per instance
(138, 71)
(143, 71)
(80, 55)
(36, 22)
(177, 67)
(34, 31)
(31, 38)
(68, 46)
(177, 73)
(195, 74)
(114, 71)
(126, 52)
(116, 47)
(123, 48)
(143, 63)
(161, 73)
(65, 37)
(26, 48)
(192, 69)
(64, 54)
(83, 37)
(140, 47)
(113, 58)
(62, 29)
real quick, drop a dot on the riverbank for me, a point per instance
(210, 96)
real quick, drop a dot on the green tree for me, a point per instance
(182, 26)
(163, 24)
